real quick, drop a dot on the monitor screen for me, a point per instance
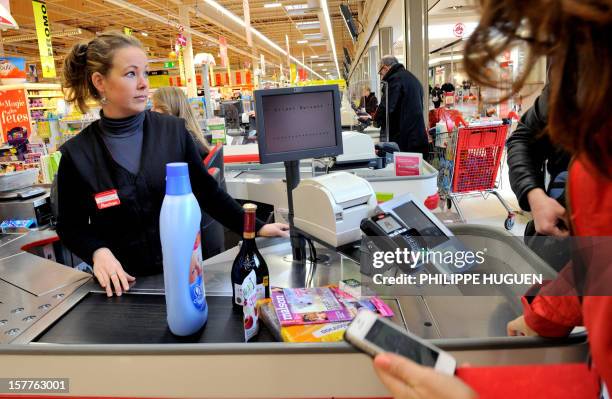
(298, 123)
(348, 20)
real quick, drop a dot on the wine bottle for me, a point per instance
(249, 259)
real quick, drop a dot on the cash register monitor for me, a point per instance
(298, 123)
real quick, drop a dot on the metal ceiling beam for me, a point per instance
(145, 13)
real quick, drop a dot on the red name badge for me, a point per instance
(107, 199)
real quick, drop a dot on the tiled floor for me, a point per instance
(488, 211)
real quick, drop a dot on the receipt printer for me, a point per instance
(331, 207)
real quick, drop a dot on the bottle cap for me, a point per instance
(248, 207)
(177, 179)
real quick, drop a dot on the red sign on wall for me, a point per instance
(459, 30)
(14, 115)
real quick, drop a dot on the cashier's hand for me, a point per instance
(110, 273)
(519, 326)
(274, 230)
(549, 217)
(407, 380)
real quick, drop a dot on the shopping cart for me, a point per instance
(468, 160)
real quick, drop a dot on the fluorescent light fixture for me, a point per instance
(308, 25)
(324, 69)
(320, 64)
(314, 57)
(313, 36)
(325, 8)
(144, 34)
(225, 12)
(272, 5)
(302, 41)
(296, 7)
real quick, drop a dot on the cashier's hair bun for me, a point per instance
(85, 59)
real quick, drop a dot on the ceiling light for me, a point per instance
(308, 25)
(144, 34)
(314, 56)
(313, 36)
(225, 12)
(330, 32)
(272, 5)
(324, 69)
(321, 64)
(302, 41)
(296, 7)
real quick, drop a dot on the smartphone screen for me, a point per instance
(392, 340)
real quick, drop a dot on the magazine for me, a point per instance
(299, 306)
(295, 306)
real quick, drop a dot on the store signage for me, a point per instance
(158, 79)
(262, 61)
(6, 19)
(14, 115)
(169, 64)
(181, 40)
(247, 22)
(43, 32)
(223, 51)
(292, 73)
(128, 31)
(181, 64)
(12, 68)
(459, 30)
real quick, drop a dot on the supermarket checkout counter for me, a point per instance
(65, 321)
(59, 322)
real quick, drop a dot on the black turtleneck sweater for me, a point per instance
(123, 138)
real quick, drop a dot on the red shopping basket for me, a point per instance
(479, 151)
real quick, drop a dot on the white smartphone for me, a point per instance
(373, 335)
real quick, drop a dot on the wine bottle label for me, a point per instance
(238, 296)
(261, 291)
(196, 282)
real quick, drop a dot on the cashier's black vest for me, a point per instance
(131, 228)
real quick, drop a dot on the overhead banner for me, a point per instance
(262, 61)
(6, 19)
(43, 33)
(247, 22)
(223, 51)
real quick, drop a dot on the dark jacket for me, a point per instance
(131, 230)
(530, 151)
(405, 102)
(369, 102)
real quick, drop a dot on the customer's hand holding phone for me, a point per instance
(406, 379)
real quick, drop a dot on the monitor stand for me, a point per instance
(298, 243)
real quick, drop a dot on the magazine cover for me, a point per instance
(295, 306)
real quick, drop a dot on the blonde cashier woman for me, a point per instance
(111, 181)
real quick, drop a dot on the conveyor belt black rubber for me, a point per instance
(141, 319)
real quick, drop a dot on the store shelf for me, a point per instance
(37, 108)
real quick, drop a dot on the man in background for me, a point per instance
(402, 99)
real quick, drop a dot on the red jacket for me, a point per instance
(590, 204)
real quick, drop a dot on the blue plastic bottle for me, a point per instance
(179, 226)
